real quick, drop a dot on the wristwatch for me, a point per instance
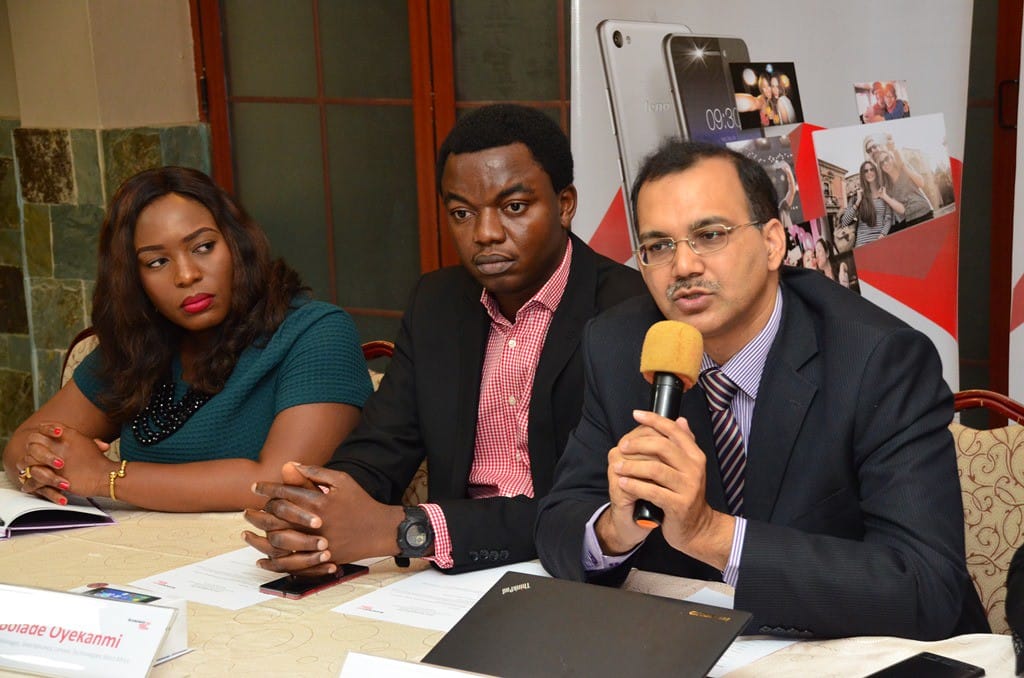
(415, 536)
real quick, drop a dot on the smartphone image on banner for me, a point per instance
(638, 91)
(119, 594)
(702, 87)
(299, 587)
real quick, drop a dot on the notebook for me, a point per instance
(20, 512)
(527, 625)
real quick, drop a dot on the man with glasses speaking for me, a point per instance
(836, 508)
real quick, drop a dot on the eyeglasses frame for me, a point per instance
(675, 243)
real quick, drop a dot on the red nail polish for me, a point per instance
(64, 485)
(58, 463)
(63, 501)
(56, 430)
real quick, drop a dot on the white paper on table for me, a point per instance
(708, 597)
(745, 651)
(231, 581)
(358, 665)
(429, 599)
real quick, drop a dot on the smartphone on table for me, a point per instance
(111, 593)
(929, 665)
(294, 587)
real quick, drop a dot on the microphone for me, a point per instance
(670, 362)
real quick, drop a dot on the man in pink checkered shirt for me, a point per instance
(486, 380)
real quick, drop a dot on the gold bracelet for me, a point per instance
(114, 475)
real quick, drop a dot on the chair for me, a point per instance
(81, 346)
(991, 470)
(373, 350)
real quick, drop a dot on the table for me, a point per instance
(303, 637)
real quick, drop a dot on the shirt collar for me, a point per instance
(745, 368)
(547, 296)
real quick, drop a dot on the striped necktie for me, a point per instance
(720, 390)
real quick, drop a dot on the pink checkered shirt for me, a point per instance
(501, 463)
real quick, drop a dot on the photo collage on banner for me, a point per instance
(882, 178)
(810, 243)
(882, 100)
(766, 94)
(662, 80)
(874, 179)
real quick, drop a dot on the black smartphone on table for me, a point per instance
(111, 593)
(294, 587)
(929, 665)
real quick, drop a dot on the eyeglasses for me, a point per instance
(704, 240)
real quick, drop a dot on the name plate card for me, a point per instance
(65, 634)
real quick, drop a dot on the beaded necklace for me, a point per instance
(162, 416)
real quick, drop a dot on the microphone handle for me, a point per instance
(666, 396)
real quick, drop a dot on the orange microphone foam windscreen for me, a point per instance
(674, 347)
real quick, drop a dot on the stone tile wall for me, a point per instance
(54, 185)
(15, 345)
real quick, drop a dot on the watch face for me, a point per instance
(416, 536)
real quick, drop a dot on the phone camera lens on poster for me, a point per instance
(617, 38)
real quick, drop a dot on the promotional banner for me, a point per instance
(730, 73)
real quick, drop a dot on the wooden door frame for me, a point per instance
(1004, 161)
(433, 84)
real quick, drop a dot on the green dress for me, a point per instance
(313, 357)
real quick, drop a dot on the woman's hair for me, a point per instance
(881, 158)
(136, 341)
(809, 259)
(830, 252)
(866, 209)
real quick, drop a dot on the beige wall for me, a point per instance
(8, 85)
(103, 63)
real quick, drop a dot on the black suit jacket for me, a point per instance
(426, 405)
(1015, 605)
(855, 522)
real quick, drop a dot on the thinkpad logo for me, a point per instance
(513, 589)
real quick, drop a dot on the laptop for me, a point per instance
(527, 625)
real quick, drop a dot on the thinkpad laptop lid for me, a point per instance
(527, 625)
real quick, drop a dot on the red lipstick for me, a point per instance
(197, 303)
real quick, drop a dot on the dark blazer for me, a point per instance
(855, 522)
(426, 405)
(1015, 605)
